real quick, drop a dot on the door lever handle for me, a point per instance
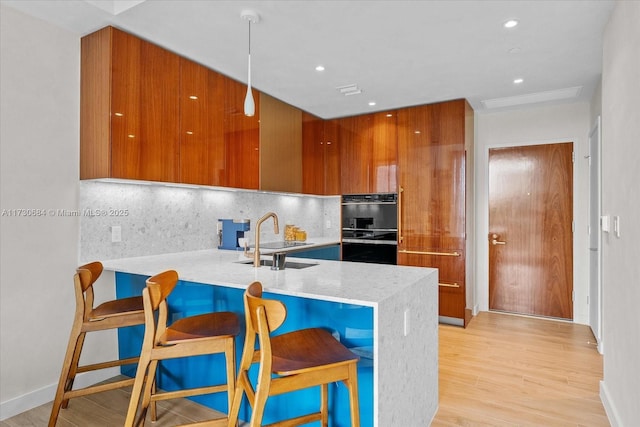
(495, 241)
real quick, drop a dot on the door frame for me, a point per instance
(580, 236)
(595, 259)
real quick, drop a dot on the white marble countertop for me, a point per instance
(347, 282)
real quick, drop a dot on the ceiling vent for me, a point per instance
(351, 89)
(533, 98)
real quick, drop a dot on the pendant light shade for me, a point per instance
(249, 103)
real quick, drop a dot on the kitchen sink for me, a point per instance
(288, 264)
(283, 244)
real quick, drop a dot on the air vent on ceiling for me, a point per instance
(533, 98)
(351, 89)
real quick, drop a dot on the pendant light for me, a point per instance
(249, 104)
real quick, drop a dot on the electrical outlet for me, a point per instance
(328, 224)
(116, 233)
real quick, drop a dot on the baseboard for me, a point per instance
(451, 320)
(609, 407)
(46, 394)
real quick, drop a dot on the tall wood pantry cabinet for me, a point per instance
(435, 155)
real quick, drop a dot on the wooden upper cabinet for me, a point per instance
(202, 146)
(368, 153)
(313, 154)
(431, 166)
(320, 156)
(384, 158)
(241, 138)
(332, 161)
(134, 132)
(280, 146)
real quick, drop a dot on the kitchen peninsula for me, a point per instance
(388, 314)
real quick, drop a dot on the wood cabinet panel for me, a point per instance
(241, 138)
(355, 154)
(145, 87)
(202, 155)
(368, 153)
(432, 176)
(313, 154)
(95, 105)
(433, 194)
(332, 161)
(384, 155)
(280, 146)
(320, 156)
(129, 115)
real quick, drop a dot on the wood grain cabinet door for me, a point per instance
(320, 156)
(431, 170)
(313, 154)
(355, 135)
(368, 153)
(202, 156)
(384, 156)
(241, 138)
(145, 86)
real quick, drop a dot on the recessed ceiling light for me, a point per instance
(518, 81)
(515, 50)
(320, 68)
(372, 103)
(389, 115)
(193, 97)
(510, 23)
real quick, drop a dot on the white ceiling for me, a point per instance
(399, 53)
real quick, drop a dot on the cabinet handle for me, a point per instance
(449, 285)
(404, 251)
(400, 237)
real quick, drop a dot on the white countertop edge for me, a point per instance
(336, 281)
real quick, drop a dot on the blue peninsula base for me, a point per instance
(351, 324)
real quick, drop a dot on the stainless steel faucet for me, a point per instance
(276, 230)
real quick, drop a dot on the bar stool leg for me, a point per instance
(65, 383)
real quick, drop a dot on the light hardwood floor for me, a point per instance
(505, 370)
(502, 370)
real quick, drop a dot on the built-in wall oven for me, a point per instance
(370, 228)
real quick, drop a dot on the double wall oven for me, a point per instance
(370, 228)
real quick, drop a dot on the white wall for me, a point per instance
(538, 125)
(39, 170)
(620, 389)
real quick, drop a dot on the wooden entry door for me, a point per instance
(530, 230)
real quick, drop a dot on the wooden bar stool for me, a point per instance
(208, 333)
(299, 359)
(109, 315)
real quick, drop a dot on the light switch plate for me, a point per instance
(616, 226)
(604, 222)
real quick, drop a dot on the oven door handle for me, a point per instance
(370, 242)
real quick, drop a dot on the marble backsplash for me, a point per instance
(160, 218)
